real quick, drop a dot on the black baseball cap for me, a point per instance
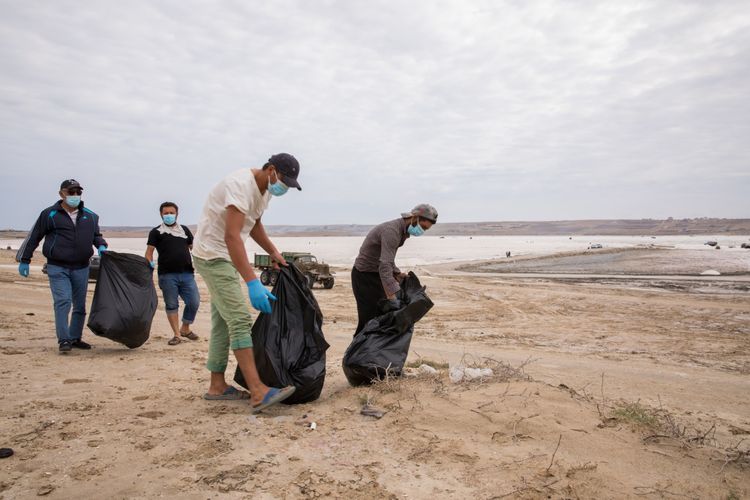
(289, 168)
(70, 183)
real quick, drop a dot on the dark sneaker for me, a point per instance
(65, 347)
(80, 344)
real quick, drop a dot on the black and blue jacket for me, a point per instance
(65, 244)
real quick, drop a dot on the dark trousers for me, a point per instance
(368, 291)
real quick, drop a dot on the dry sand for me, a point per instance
(626, 391)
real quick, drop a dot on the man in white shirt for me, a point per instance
(233, 209)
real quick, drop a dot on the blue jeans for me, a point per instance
(174, 285)
(68, 288)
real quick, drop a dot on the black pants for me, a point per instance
(368, 291)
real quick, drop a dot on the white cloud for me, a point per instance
(488, 110)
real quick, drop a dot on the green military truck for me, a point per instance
(314, 271)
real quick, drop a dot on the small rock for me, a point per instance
(371, 411)
(45, 490)
(151, 414)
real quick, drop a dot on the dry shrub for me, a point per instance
(438, 365)
(502, 371)
(637, 415)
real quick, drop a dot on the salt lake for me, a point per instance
(341, 251)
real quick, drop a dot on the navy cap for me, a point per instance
(289, 168)
(70, 183)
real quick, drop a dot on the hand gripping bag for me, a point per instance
(382, 345)
(288, 344)
(124, 299)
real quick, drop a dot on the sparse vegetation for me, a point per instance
(637, 415)
(438, 365)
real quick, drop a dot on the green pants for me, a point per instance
(230, 317)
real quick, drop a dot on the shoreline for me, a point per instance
(579, 228)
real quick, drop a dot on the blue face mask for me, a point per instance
(416, 230)
(169, 219)
(277, 188)
(73, 201)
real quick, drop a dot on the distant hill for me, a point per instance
(624, 227)
(546, 228)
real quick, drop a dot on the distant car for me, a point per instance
(711, 243)
(93, 268)
(595, 245)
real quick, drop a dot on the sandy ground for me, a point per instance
(605, 390)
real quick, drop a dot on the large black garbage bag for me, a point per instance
(124, 299)
(383, 344)
(288, 344)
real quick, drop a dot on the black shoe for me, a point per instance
(65, 347)
(80, 344)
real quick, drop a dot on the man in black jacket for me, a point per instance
(69, 231)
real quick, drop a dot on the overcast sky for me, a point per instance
(489, 110)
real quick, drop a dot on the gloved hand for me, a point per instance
(101, 250)
(152, 264)
(23, 269)
(259, 296)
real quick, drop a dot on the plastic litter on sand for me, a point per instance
(427, 370)
(461, 373)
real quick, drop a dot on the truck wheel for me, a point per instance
(274, 277)
(265, 277)
(310, 280)
(328, 283)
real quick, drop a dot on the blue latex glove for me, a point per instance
(101, 250)
(152, 264)
(259, 296)
(23, 269)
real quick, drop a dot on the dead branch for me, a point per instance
(554, 453)
(484, 415)
(652, 490)
(515, 435)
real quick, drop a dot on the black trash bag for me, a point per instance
(383, 344)
(288, 344)
(124, 299)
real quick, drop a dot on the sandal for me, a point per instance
(174, 341)
(189, 335)
(273, 396)
(231, 393)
